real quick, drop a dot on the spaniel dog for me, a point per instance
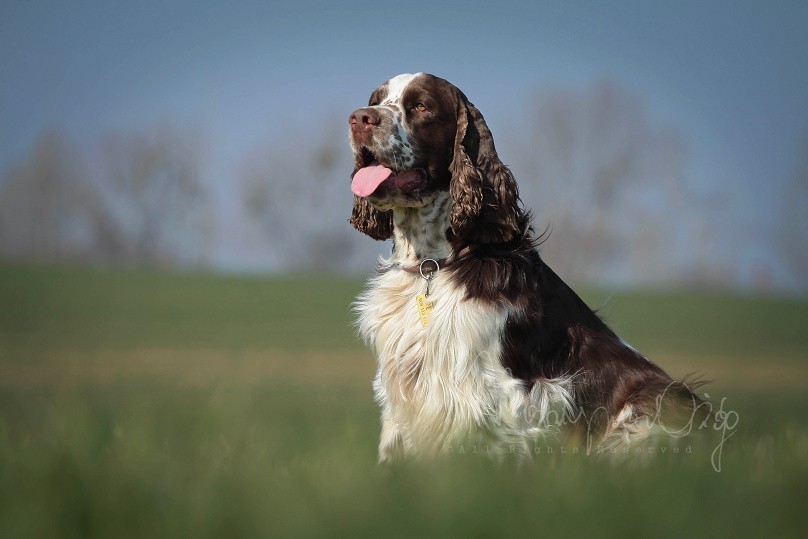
(478, 341)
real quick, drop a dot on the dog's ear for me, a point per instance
(375, 223)
(485, 199)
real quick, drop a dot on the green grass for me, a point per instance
(45, 308)
(709, 323)
(142, 404)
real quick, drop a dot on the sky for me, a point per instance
(731, 76)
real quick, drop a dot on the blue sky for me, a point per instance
(731, 76)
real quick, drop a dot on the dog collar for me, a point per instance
(430, 266)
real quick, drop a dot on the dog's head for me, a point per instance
(418, 136)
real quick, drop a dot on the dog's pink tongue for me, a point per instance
(368, 179)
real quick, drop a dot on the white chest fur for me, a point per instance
(444, 384)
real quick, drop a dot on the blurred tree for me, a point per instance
(297, 192)
(793, 236)
(155, 197)
(611, 186)
(46, 205)
(143, 202)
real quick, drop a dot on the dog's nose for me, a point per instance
(364, 118)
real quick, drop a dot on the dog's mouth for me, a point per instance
(371, 176)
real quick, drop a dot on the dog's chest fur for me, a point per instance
(441, 382)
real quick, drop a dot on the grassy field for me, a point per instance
(141, 404)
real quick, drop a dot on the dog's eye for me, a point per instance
(420, 107)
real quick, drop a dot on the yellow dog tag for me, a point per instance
(424, 308)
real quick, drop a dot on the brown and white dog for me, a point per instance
(477, 339)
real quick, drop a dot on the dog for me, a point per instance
(477, 340)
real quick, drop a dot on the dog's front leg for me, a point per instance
(391, 443)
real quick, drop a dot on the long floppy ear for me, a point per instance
(485, 199)
(375, 223)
